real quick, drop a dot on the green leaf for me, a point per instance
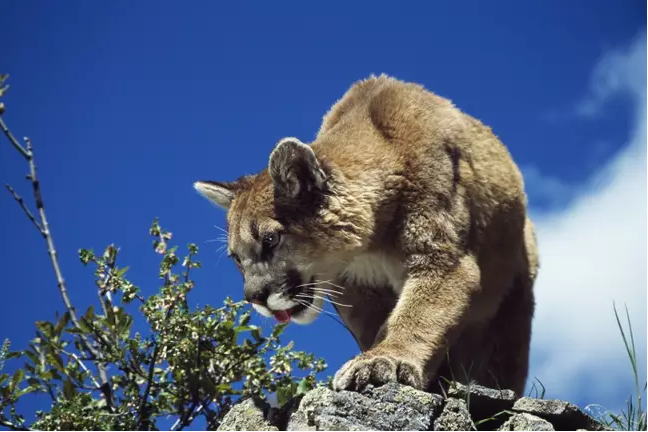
(16, 379)
(49, 375)
(85, 327)
(256, 334)
(133, 346)
(121, 272)
(14, 354)
(278, 330)
(68, 389)
(45, 327)
(245, 318)
(285, 393)
(89, 315)
(27, 390)
(125, 323)
(86, 255)
(303, 386)
(56, 361)
(32, 356)
(65, 319)
(111, 317)
(241, 329)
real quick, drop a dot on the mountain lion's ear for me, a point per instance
(294, 169)
(221, 193)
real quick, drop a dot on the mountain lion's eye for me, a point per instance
(271, 240)
(236, 259)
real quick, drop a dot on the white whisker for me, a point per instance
(219, 228)
(218, 239)
(332, 284)
(222, 249)
(323, 291)
(324, 299)
(317, 288)
(315, 308)
(309, 306)
(317, 282)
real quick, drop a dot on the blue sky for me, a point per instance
(128, 103)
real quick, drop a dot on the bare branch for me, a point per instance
(78, 360)
(28, 153)
(51, 249)
(188, 417)
(143, 417)
(22, 204)
(13, 141)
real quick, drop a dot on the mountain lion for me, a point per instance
(411, 217)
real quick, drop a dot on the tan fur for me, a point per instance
(415, 215)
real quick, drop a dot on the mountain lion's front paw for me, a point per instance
(377, 370)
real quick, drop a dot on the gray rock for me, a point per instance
(484, 402)
(563, 415)
(389, 407)
(248, 415)
(526, 422)
(454, 417)
(299, 422)
(397, 407)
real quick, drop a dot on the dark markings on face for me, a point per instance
(270, 241)
(266, 252)
(254, 230)
(293, 280)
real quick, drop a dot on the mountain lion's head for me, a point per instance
(286, 230)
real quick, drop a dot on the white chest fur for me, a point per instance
(376, 270)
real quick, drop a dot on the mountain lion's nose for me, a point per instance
(258, 297)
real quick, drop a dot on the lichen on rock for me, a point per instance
(526, 422)
(454, 417)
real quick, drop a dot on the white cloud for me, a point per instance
(593, 252)
(547, 191)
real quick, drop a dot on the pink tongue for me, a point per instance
(282, 316)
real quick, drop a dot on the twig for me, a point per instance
(186, 420)
(50, 391)
(186, 274)
(78, 360)
(13, 140)
(156, 351)
(106, 302)
(22, 204)
(151, 373)
(185, 303)
(210, 417)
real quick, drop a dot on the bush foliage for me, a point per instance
(192, 363)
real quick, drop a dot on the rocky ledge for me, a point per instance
(397, 407)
